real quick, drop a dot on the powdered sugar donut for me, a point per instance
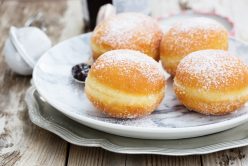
(125, 84)
(127, 31)
(188, 36)
(211, 82)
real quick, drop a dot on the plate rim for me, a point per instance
(104, 143)
(94, 122)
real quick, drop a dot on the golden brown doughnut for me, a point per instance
(127, 31)
(125, 84)
(212, 82)
(188, 36)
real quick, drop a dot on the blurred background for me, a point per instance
(66, 18)
(63, 19)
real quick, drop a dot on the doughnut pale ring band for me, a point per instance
(188, 36)
(211, 82)
(127, 31)
(125, 84)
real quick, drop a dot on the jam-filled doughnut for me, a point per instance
(191, 35)
(127, 31)
(125, 84)
(212, 82)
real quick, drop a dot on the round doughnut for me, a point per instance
(188, 36)
(211, 82)
(125, 84)
(127, 31)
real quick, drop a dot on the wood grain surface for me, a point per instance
(22, 143)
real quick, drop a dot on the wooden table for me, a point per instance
(22, 143)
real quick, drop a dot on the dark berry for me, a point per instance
(80, 71)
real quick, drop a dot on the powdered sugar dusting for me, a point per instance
(192, 24)
(213, 69)
(126, 29)
(129, 61)
(195, 34)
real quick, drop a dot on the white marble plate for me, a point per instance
(171, 120)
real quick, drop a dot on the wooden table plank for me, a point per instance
(98, 157)
(21, 142)
(88, 156)
(227, 157)
(158, 160)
